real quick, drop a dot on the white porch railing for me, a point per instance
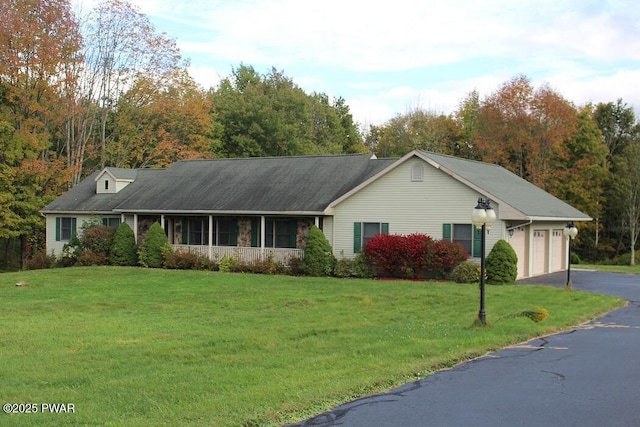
(249, 255)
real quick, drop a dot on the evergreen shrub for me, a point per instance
(124, 251)
(153, 246)
(318, 259)
(501, 264)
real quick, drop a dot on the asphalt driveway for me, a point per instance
(587, 376)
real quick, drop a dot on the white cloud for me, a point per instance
(370, 52)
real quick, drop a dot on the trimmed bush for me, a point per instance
(501, 264)
(385, 254)
(96, 240)
(124, 251)
(445, 256)
(150, 254)
(466, 272)
(318, 259)
(413, 256)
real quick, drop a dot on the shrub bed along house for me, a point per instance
(413, 256)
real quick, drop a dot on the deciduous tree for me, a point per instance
(523, 129)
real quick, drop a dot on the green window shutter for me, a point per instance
(234, 234)
(57, 229)
(255, 230)
(357, 237)
(105, 221)
(293, 233)
(185, 232)
(446, 231)
(73, 227)
(477, 241)
(384, 228)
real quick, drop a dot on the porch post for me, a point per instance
(317, 221)
(263, 233)
(162, 221)
(135, 226)
(210, 236)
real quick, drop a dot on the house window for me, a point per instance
(364, 231)
(65, 228)
(195, 231)
(227, 232)
(106, 184)
(465, 234)
(111, 222)
(281, 233)
(199, 231)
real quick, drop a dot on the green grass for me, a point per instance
(626, 269)
(139, 347)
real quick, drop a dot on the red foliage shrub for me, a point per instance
(445, 255)
(384, 252)
(412, 255)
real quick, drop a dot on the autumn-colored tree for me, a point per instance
(158, 127)
(39, 48)
(523, 129)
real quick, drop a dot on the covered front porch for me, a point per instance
(248, 255)
(250, 239)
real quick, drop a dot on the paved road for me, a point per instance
(588, 376)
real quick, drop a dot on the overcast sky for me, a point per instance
(388, 57)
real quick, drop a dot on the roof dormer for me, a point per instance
(112, 180)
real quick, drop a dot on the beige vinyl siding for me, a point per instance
(409, 206)
(327, 229)
(54, 246)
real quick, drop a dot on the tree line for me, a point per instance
(80, 90)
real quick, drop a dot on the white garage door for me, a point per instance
(540, 254)
(518, 242)
(557, 252)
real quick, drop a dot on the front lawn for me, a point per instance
(144, 347)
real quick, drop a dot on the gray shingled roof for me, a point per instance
(122, 173)
(271, 184)
(503, 185)
(298, 184)
(83, 197)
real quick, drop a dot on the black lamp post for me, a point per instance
(483, 217)
(570, 232)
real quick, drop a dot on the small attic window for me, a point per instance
(417, 172)
(106, 184)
